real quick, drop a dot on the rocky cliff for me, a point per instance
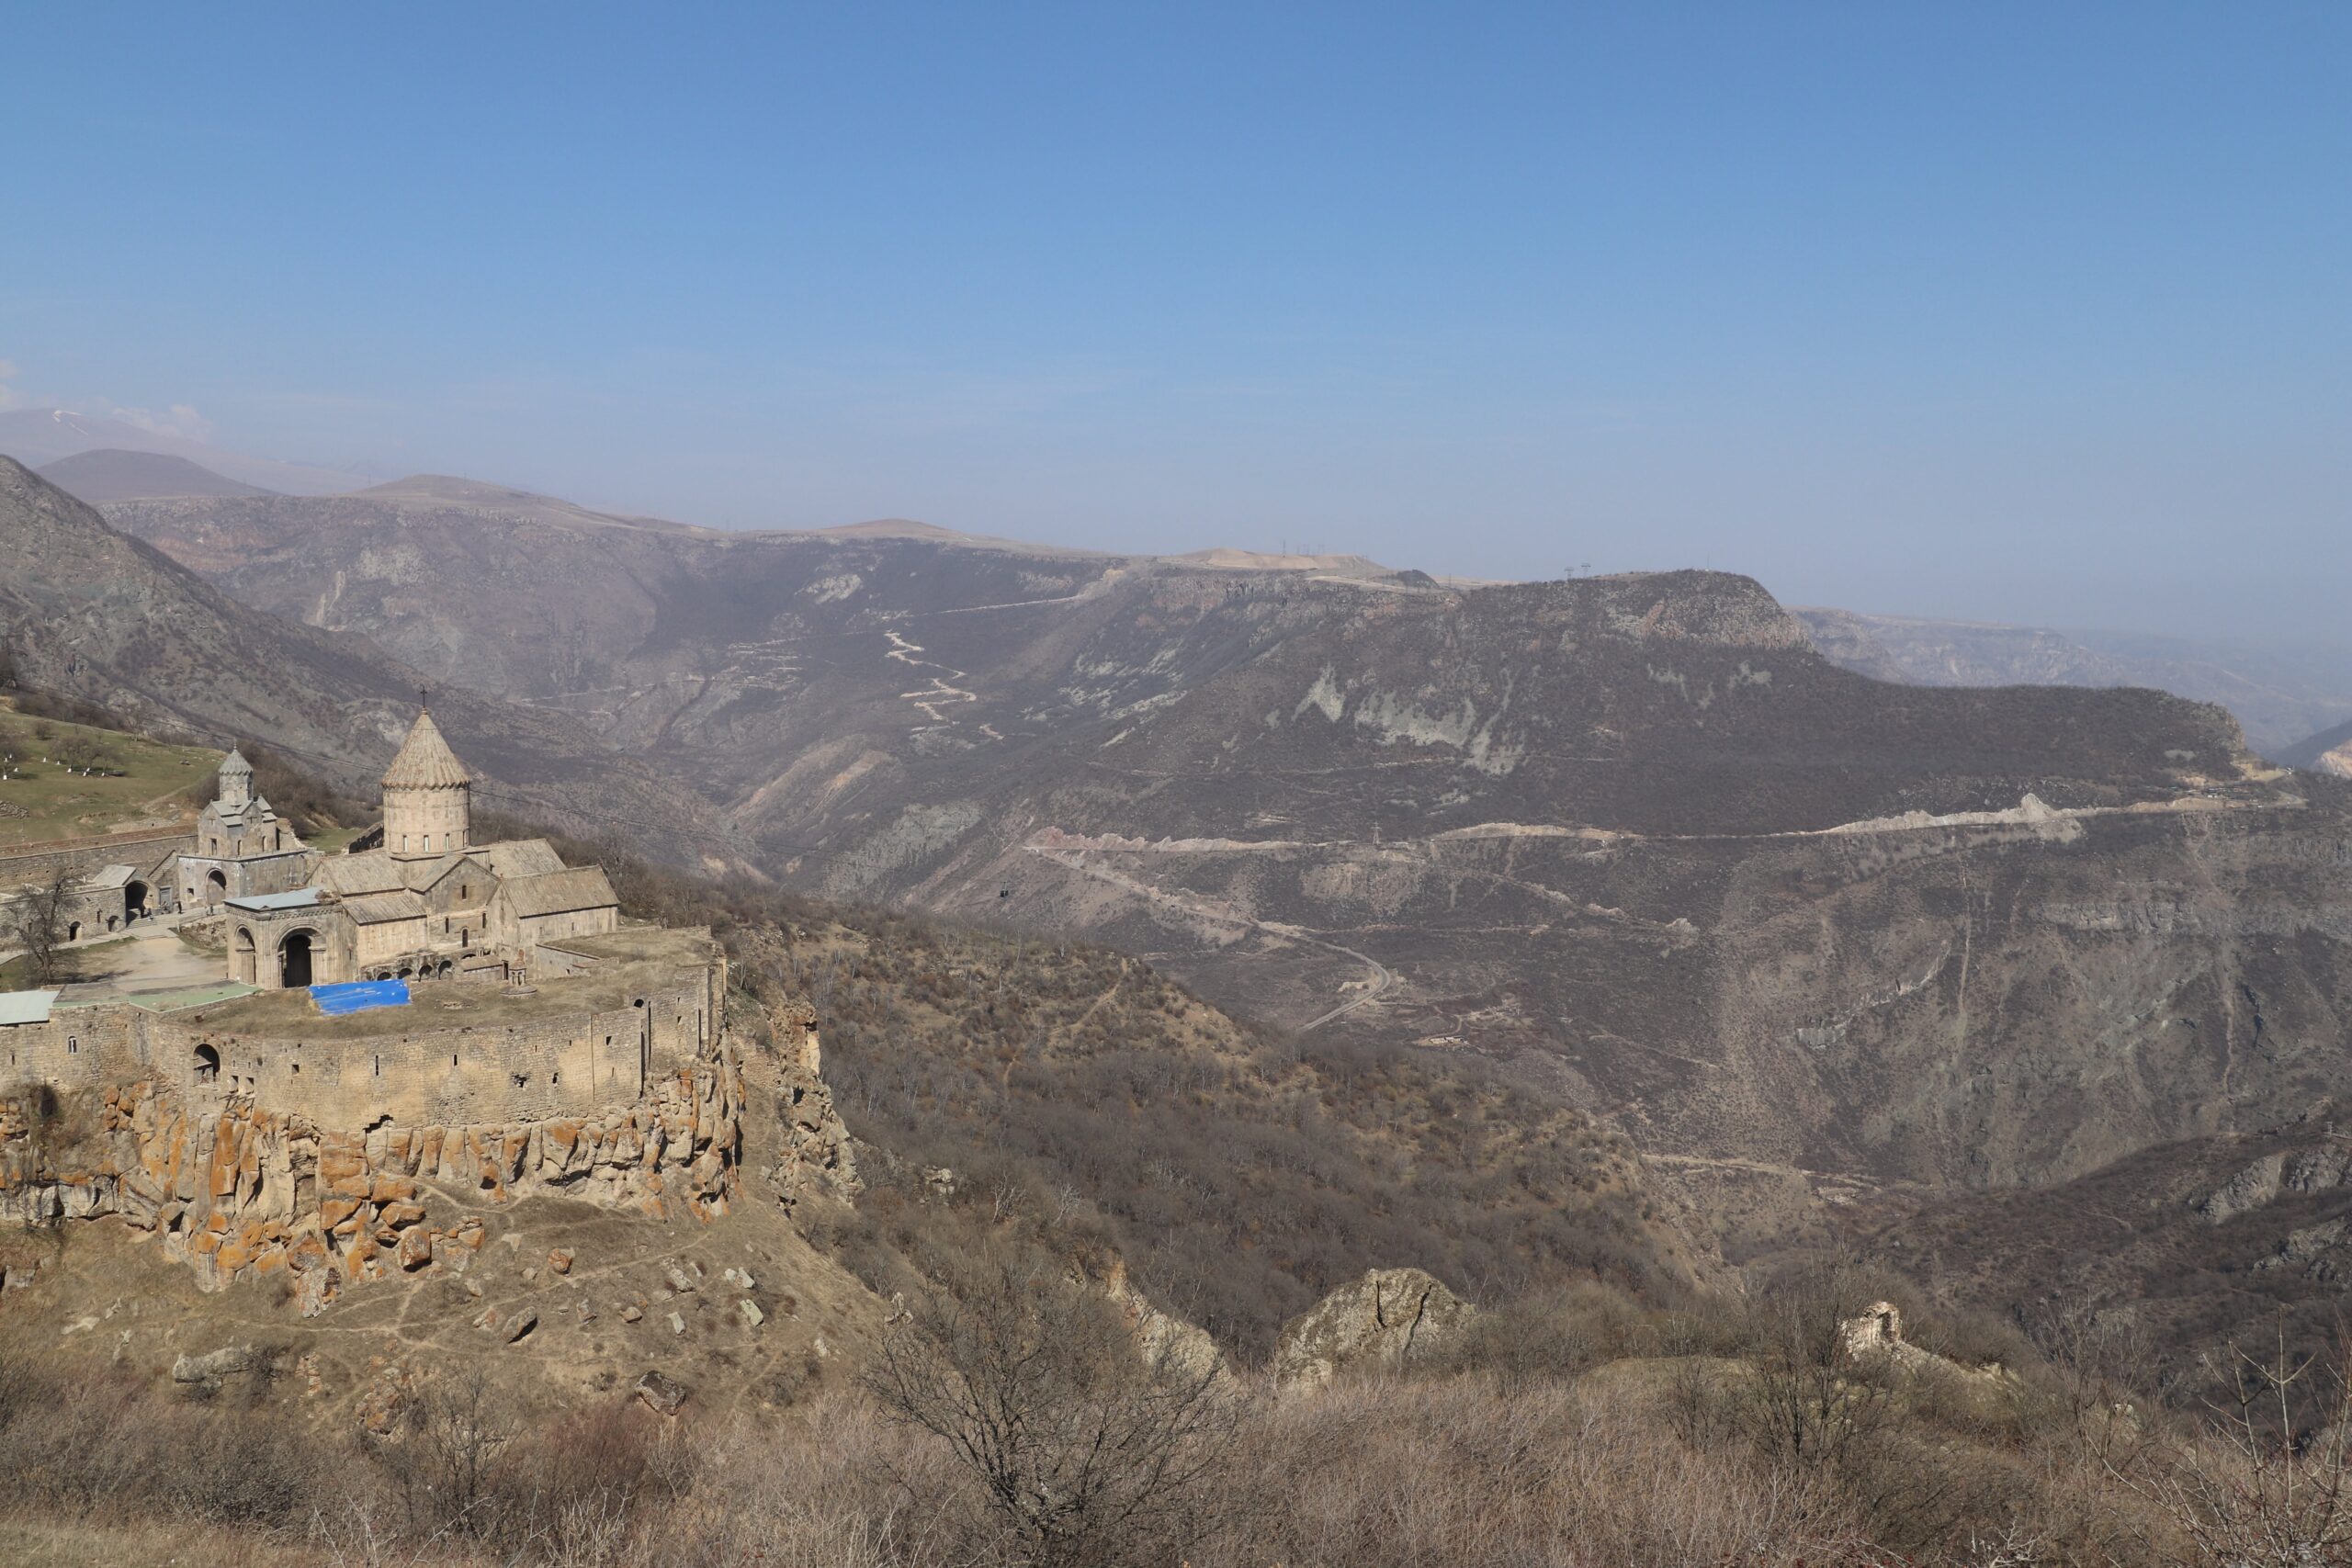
(239, 1191)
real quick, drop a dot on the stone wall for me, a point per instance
(22, 864)
(566, 1063)
(240, 877)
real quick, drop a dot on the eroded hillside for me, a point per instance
(91, 612)
(1629, 839)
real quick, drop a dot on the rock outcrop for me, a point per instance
(1386, 1319)
(2274, 1176)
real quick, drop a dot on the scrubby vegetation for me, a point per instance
(1012, 1420)
(1243, 1175)
(1039, 1116)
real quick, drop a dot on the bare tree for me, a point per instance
(447, 1461)
(37, 921)
(2269, 1484)
(1808, 1401)
(1086, 1450)
(2096, 1351)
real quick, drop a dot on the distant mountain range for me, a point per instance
(2280, 695)
(36, 437)
(89, 611)
(2329, 752)
(109, 474)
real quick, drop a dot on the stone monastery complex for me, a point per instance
(537, 1041)
(428, 904)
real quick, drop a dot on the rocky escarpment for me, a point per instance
(239, 1192)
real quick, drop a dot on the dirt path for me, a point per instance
(1382, 978)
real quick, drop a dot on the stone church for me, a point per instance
(243, 846)
(428, 904)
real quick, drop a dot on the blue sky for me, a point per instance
(2037, 312)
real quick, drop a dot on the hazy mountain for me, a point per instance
(109, 475)
(1632, 837)
(2329, 752)
(2279, 694)
(91, 612)
(36, 437)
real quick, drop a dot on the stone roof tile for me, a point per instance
(425, 760)
(560, 892)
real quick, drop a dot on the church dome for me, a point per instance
(234, 762)
(425, 761)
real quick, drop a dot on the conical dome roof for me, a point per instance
(425, 761)
(234, 762)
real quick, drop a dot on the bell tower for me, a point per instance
(236, 782)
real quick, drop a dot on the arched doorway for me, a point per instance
(73, 930)
(208, 1065)
(134, 900)
(216, 888)
(294, 960)
(248, 958)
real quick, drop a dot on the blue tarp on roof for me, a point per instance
(358, 996)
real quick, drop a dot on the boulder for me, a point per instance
(207, 1371)
(1385, 1319)
(415, 1248)
(662, 1395)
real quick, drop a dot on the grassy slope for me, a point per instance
(44, 801)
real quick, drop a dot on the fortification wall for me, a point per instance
(563, 1063)
(77, 1048)
(21, 864)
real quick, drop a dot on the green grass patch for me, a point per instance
(132, 781)
(74, 964)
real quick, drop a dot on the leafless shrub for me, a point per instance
(37, 924)
(1084, 1450)
(2267, 1484)
(445, 1463)
(1376, 1475)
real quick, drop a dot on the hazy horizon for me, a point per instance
(2024, 315)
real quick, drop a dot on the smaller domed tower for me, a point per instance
(428, 808)
(236, 782)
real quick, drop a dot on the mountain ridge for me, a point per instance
(94, 612)
(107, 474)
(1632, 837)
